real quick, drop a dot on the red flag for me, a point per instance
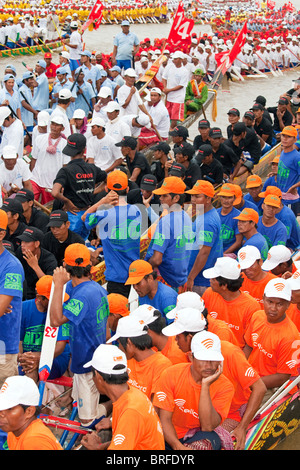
(225, 59)
(180, 33)
(95, 16)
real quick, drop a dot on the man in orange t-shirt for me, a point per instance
(19, 400)
(293, 312)
(272, 338)
(225, 300)
(279, 261)
(195, 395)
(255, 279)
(135, 424)
(144, 364)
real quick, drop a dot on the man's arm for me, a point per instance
(198, 265)
(5, 301)
(169, 430)
(60, 278)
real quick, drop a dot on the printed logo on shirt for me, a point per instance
(33, 338)
(283, 171)
(159, 238)
(161, 396)
(291, 364)
(13, 281)
(180, 402)
(226, 232)
(205, 236)
(102, 311)
(118, 439)
(250, 372)
(74, 306)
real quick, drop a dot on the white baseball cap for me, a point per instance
(129, 327)
(294, 280)
(178, 55)
(187, 319)
(248, 255)
(65, 54)
(226, 267)
(57, 119)
(105, 359)
(130, 72)
(145, 312)
(4, 113)
(206, 346)
(143, 120)
(156, 90)
(9, 151)
(43, 118)
(78, 114)
(278, 288)
(65, 94)
(186, 300)
(277, 254)
(97, 121)
(112, 106)
(104, 92)
(19, 390)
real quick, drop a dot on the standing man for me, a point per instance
(126, 45)
(85, 310)
(41, 91)
(289, 167)
(75, 47)
(11, 292)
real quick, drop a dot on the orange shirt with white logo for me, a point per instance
(135, 424)
(178, 392)
(274, 345)
(294, 314)
(35, 437)
(221, 329)
(256, 288)
(173, 352)
(236, 313)
(145, 374)
(240, 373)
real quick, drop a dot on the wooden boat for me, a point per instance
(45, 47)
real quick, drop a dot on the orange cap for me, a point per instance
(3, 220)
(271, 190)
(171, 184)
(118, 304)
(238, 194)
(253, 181)
(43, 287)
(227, 189)
(248, 214)
(117, 180)
(202, 187)
(77, 251)
(272, 200)
(276, 159)
(138, 270)
(290, 131)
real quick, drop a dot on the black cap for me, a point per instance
(57, 218)
(250, 115)
(283, 100)
(12, 205)
(148, 182)
(261, 99)
(203, 124)
(186, 149)
(215, 132)
(25, 195)
(257, 106)
(31, 234)
(127, 141)
(179, 131)
(234, 111)
(163, 146)
(177, 169)
(239, 128)
(76, 143)
(203, 151)
(8, 246)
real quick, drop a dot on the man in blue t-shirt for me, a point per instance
(119, 230)
(126, 45)
(34, 312)
(151, 291)
(208, 244)
(86, 311)
(11, 292)
(268, 225)
(247, 225)
(170, 247)
(254, 185)
(232, 239)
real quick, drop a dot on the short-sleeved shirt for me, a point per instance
(164, 300)
(256, 288)
(57, 248)
(125, 44)
(273, 345)
(274, 235)
(135, 424)
(260, 242)
(87, 311)
(41, 93)
(288, 218)
(207, 229)
(294, 314)
(177, 392)
(258, 204)
(236, 313)
(172, 351)
(288, 172)
(17, 175)
(229, 227)
(141, 162)
(37, 436)
(11, 284)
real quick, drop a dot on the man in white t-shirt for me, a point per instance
(13, 131)
(47, 159)
(75, 47)
(101, 149)
(115, 126)
(175, 80)
(14, 172)
(161, 119)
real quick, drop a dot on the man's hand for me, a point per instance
(91, 441)
(60, 276)
(212, 378)
(31, 259)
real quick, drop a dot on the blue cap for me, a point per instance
(116, 68)
(103, 73)
(11, 67)
(27, 75)
(87, 53)
(61, 70)
(77, 70)
(42, 63)
(125, 23)
(8, 76)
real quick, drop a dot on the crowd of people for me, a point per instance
(216, 328)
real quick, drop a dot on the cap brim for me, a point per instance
(210, 273)
(161, 190)
(134, 280)
(55, 223)
(268, 266)
(171, 314)
(5, 403)
(25, 238)
(71, 152)
(208, 356)
(172, 330)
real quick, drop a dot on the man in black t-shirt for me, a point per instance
(281, 115)
(203, 137)
(137, 163)
(160, 167)
(15, 227)
(60, 236)
(262, 125)
(33, 217)
(211, 168)
(184, 154)
(221, 152)
(75, 183)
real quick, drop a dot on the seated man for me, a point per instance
(211, 169)
(268, 225)
(247, 226)
(15, 173)
(279, 261)
(33, 216)
(232, 239)
(196, 93)
(184, 154)
(15, 226)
